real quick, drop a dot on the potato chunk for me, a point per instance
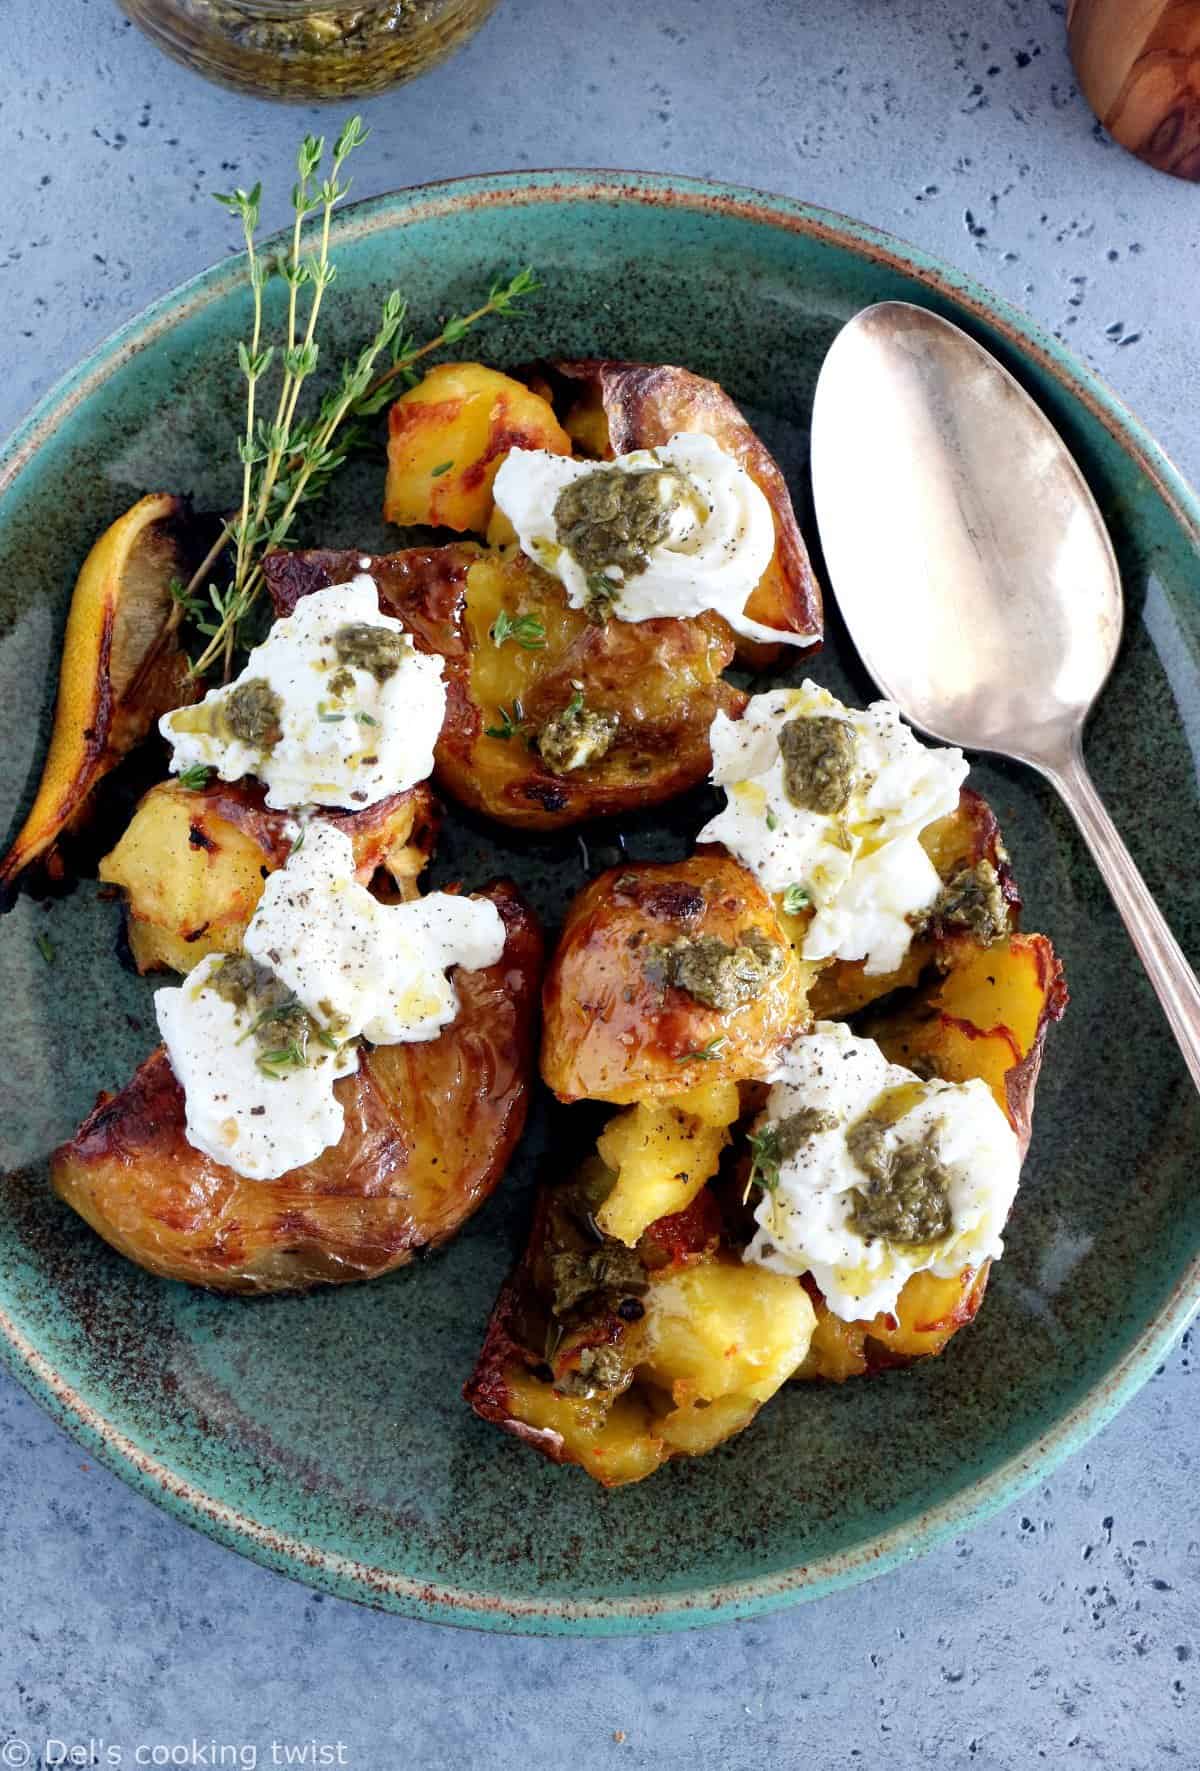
(614, 1031)
(429, 1129)
(447, 437)
(662, 1152)
(659, 681)
(192, 865)
(721, 1333)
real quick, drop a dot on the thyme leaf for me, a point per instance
(527, 630)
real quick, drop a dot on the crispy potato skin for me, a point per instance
(610, 1034)
(429, 1131)
(192, 865)
(661, 678)
(447, 437)
(120, 671)
(613, 407)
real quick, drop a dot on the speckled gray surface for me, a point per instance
(1068, 1629)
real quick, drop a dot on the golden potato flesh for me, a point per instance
(430, 1127)
(969, 836)
(191, 865)
(619, 1359)
(986, 1016)
(658, 683)
(447, 437)
(661, 1153)
(614, 1031)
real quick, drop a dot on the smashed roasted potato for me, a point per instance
(624, 1339)
(518, 659)
(191, 864)
(611, 408)
(430, 1127)
(668, 976)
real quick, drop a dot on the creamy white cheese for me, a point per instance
(863, 869)
(347, 738)
(359, 966)
(718, 545)
(805, 1220)
(258, 1124)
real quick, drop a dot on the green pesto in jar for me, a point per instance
(712, 971)
(365, 646)
(300, 49)
(905, 1198)
(609, 519)
(819, 763)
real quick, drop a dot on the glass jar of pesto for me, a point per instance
(309, 49)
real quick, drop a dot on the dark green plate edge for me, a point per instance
(341, 1575)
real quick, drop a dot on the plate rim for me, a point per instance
(343, 1575)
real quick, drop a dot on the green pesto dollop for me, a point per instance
(600, 1371)
(366, 646)
(287, 1037)
(253, 712)
(610, 519)
(717, 974)
(795, 1129)
(609, 1272)
(906, 1196)
(973, 899)
(819, 763)
(240, 980)
(575, 736)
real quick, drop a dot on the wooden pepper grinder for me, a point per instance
(1138, 63)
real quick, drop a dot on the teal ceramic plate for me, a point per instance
(325, 1436)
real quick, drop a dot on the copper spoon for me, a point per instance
(977, 578)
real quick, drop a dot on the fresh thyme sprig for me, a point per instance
(706, 1053)
(764, 1170)
(795, 899)
(527, 630)
(288, 460)
(512, 722)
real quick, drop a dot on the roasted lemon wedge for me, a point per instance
(120, 670)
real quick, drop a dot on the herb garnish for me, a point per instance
(288, 460)
(795, 899)
(772, 820)
(527, 630)
(764, 1170)
(277, 1064)
(45, 947)
(706, 1053)
(511, 723)
(435, 473)
(197, 778)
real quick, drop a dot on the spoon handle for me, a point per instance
(1157, 948)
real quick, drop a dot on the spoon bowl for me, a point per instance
(982, 593)
(976, 576)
